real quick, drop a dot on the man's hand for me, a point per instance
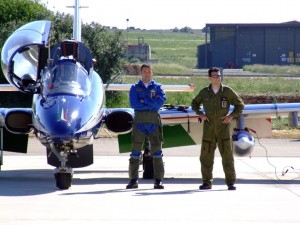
(227, 119)
(203, 117)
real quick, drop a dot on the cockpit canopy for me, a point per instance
(66, 77)
(27, 64)
(20, 56)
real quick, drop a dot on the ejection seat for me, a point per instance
(72, 49)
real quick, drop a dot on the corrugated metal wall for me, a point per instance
(237, 45)
(222, 46)
(251, 46)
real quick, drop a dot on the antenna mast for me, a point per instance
(77, 20)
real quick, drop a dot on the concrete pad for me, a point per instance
(28, 194)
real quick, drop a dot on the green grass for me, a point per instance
(244, 86)
(280, 124)
(178, 52)
(275, 69)
(271, 86)
(171, 68)
(169, 47)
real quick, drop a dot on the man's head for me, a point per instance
(146, 72)
(213, 69)
(214, 75)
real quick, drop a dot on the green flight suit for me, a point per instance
(215, 132)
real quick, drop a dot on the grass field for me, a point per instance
(176, 52)
(167, 47)
(247, 86)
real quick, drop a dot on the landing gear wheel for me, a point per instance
(148, 167)
(63, 180)
(147, 161)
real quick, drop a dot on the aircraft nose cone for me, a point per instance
(62, 130)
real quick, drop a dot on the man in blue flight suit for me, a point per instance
(146, 98)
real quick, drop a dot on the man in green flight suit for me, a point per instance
(216, 100)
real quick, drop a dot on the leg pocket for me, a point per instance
(207, 153)
(205, 145)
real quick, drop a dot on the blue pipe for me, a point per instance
(295, 118)
(241, 122)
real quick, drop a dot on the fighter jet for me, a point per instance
(68, 105)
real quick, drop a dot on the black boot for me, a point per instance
(231, 187)
(158, 184)
(132, 184)
(205, 186)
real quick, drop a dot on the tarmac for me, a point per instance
(268, 189)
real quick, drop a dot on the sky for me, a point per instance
(168, 14)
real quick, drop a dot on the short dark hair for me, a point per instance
(213, 69)
(146, 65)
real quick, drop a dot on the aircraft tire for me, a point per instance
(63, 180)
(148, 167)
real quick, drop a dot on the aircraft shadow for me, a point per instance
(38, 182)
(26, 182)
(180, 181)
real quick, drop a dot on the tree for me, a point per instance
(22, 10)
(186, 30)
(61, 28)
(108, 48)
(15, 13)
(175, 29)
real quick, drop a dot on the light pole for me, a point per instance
(127, 20)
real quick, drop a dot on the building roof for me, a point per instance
(293, 23)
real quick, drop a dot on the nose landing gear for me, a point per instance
(63, 174)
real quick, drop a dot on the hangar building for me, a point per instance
(236, 45)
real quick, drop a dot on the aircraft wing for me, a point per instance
(182, 128)
(120, 87)
(8, 87)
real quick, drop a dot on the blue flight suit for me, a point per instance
(146, 102)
